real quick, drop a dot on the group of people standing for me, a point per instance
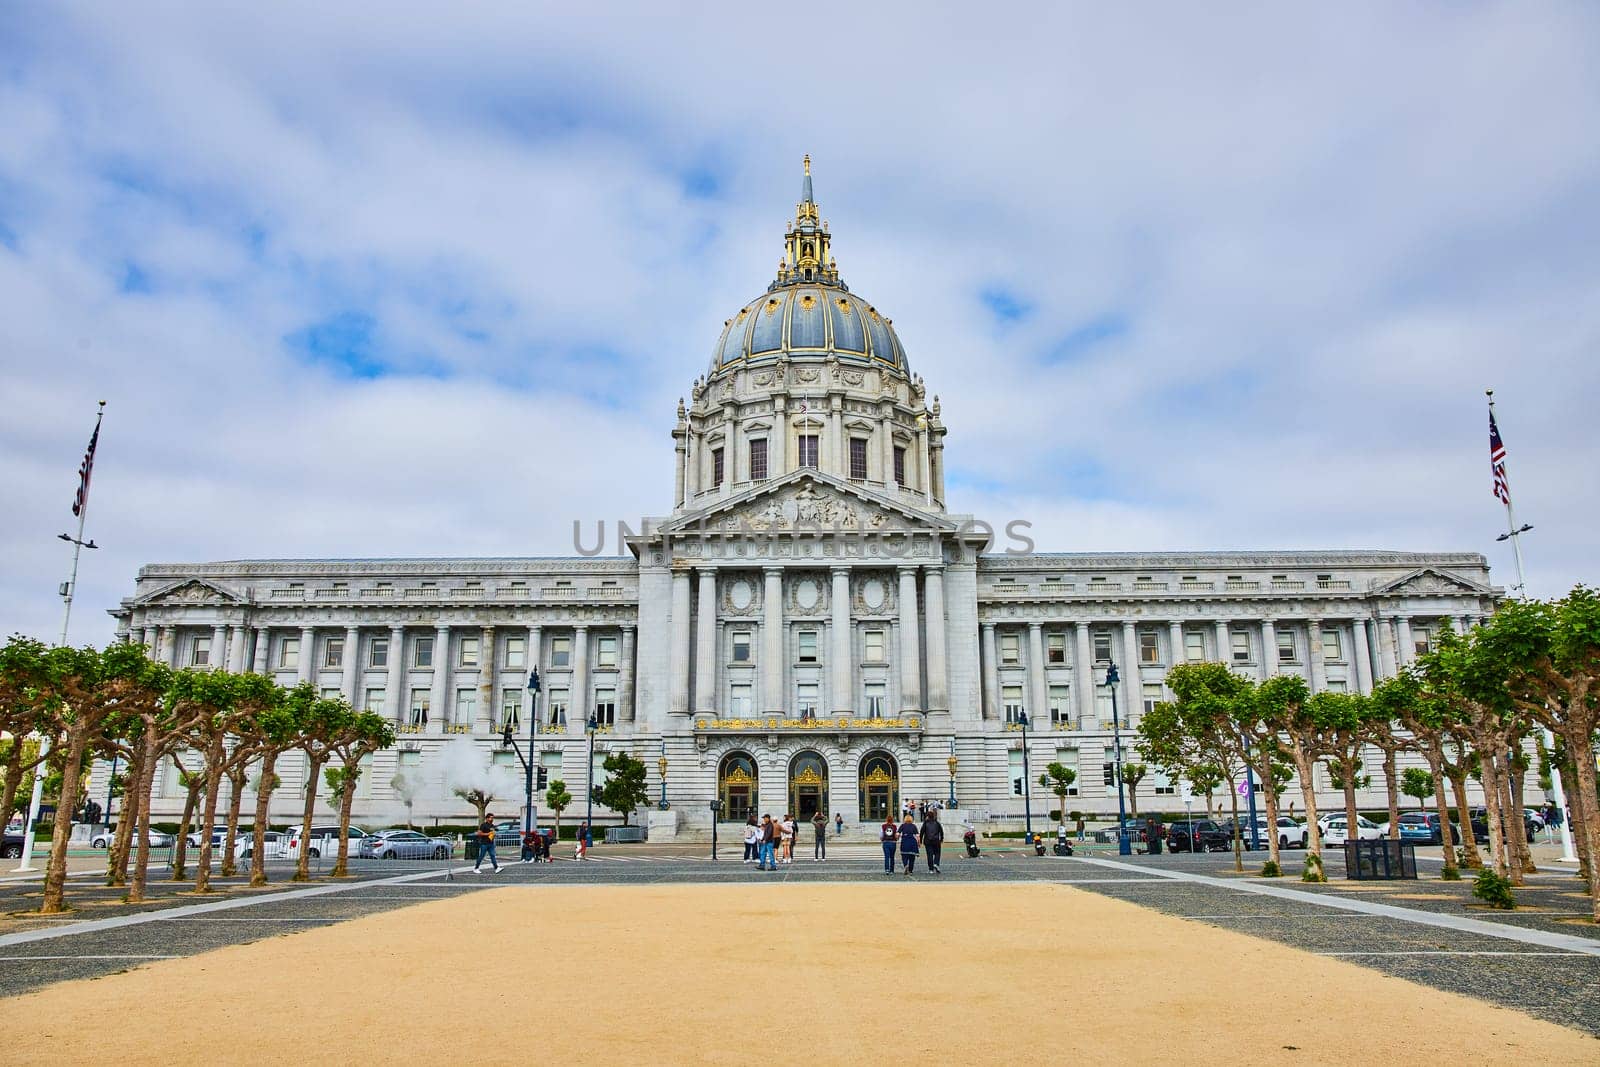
(771, 841)
(907, 837)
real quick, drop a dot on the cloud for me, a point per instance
(363, 281)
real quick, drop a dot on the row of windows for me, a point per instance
(872, 646)
(808, 697)
(557, 700)
(422, 652)
(1241, 646)
(808, 452)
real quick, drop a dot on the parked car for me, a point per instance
(218, 834)
(1422, 828)
(324, 841)
(1334, 831)
(11, 844)
(273, 845)
(104, 838)
(403, 845)
(1198, 835)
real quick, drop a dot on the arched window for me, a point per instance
(738, 786)
(879, 786)
(808, 786)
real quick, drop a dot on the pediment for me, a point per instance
(190, 591)
(1428, 580)
(807, 502)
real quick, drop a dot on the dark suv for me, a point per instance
(1197, 835)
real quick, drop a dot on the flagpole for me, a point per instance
(1514, 535)
(77, 542)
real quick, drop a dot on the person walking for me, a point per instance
(486, 845)
(581, 849)
(752, 838)
(819, 850)
(908, 845)
(932, 839)
(888, 835)
(838, 824)
(786, 829)
(767, 857)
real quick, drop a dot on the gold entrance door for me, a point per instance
(808, 786)
(736, 781)
(880, 787)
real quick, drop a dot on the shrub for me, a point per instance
(1450, 874)
(1494, 890)
(1313, 871)
(1271, 870)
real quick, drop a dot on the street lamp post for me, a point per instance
(1123, 845)
(508, 741)
(1027, 792)
(662, 765)
(951, 763)
(588, 810)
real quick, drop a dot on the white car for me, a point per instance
(1291, 834)
(1334, 831)
(275, 843)
(104, 838)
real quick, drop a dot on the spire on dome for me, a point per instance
(805, 186)
(806, 255)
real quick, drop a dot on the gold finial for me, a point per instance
(807, 162)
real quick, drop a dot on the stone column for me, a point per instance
(1175, 638)
(170, 655)
(1319, 669)
(488, 679)
(991, 673)
(351, 664)
(1224, 652)
(772, 642)
(1130, 671)
(1406, 653)
(705, 644)
(261, 663)
(886, 443)
(1362, 654)
(778, 443)
(733, 460)
(394, 681)
(625, 675)
(841, 461)
(843, 671)
(910, 646)
(678, 650)
(578, 699)
(1269, 649)
(535, 662)
(691, 465)
(1083, 676)
(680, 448)
(938, 666)
(237, 638)
(442, 711)
(924, 474)
(219, 648)
(308, 653)
(1038, 699)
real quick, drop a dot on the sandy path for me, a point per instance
(735, 974)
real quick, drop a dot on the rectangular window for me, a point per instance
(1055, 648)
(422, 652)
(378, 652)
(1194, 646)
(1102, 706)
(1240, 640)
(1151, 693)
(741, 646)
(374, 701)
(1068, 758)
(557, 713)
(739, 701)
(1286, 646)
(1422, 640)
(1011, 697)
(899, 465)
(806, 701)
(550, 764)
(466, 707)
(419, 707)
(758, 460)
(468, 652)
(1332, 647)
(1336, 685)
(516, 652)
(1149, 647)
(1010, 648)
(410, 758)
(605, 652)
(808, 646)
(1160, 784)
(872, 644)
(858, 458)
(200, 652)
(560, 651)
(875, 700)
(333, 652)
(289, 653)
(1060, 706)
(1102, 648)
(808, 449)
(605, 707)
(716, 466)
(329, 693)
(510, 710)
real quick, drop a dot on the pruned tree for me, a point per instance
(1416, 782)
(1427, 721)
(1058, 778)
(320, 728)
(365, 733)
(557, 798)
(624, 789)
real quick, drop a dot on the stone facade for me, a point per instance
(808, 626)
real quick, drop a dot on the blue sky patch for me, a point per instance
(1005, 305)
(343, 342)
(1098, 330)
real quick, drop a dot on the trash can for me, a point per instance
(1381, 859)
(1124, 842)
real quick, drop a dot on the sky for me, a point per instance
(391, 279)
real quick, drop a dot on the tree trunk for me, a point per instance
(1577, 743)
(202, 874)
(1238, 844)
(1446, 840)
(1519, 817)
(1391, 783)
(1304, 769)
(236, 776)
(1575, 823)
(180, 848)
(347, 801)
(117, 854)
(1352, 817)
(1489, 777)
(1469, 843)
(302, 866)
(1269, 796)
(258, 833)
(1133, 801)
(147, 777)
(55, 871)
(12, 780)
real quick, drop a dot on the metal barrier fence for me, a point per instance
(395, 858)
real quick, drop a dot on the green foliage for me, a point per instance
(624, 790)
(1451, 873)
(1058, 778)
(1271, 870)
(1313, 871)
(1416, 782)
(1494, 890)
(557, 797)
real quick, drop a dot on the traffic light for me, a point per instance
(505, 735)
(1016, 787)
(543, 776)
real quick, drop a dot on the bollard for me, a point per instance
(1124, 842)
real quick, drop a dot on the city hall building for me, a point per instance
(810, 628)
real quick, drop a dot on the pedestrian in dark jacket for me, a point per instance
(932, 839)
(486, 845)
(908, 845)
(819, 850)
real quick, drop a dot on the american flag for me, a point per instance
(81, 500)
(1497, 463)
